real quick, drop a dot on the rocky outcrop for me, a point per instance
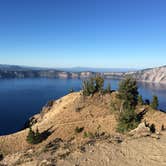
(141, 131)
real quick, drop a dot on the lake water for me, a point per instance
(22, 98)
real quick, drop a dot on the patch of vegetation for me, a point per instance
(155, 103)
(88, 135)
(79, 129)
(35, 137)
(140, 100)
(127, 121)
(93, 85)
(108, 89)
(128, 92)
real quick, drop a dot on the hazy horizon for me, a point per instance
(70, 33)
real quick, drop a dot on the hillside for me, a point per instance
(64, 146)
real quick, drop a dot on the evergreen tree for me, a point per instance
(127, 121)
(31, 136)
(128, 92)
(108, 89)
(34, 137)
(99, 83)
(140, 100)
(92, 85)
(155, 103)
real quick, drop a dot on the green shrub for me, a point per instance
(108, 88)
(140, 100)
(34, 137)
(88, 135)
(155, 103)
(85, 134)
(127, 121)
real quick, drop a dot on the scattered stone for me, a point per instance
(155, 136)
(82, 149)
(46, 163)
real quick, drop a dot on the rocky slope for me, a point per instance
(101, 145)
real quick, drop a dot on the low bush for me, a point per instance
(88, 135)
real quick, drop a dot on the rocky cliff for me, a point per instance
(155, 75)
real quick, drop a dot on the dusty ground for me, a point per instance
(94, 115)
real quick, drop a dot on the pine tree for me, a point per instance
(31, 136)
(108, 89)
(92, 85)
(34, 137)
(155, 103)
(140, 100)
(127, 121)
(128, 92)
(99, 83)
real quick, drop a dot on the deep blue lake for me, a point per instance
(22, 98)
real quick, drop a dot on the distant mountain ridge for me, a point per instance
(154, 75)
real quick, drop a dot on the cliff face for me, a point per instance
(156, 75)
(42, 74)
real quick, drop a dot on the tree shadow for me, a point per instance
(45, 134)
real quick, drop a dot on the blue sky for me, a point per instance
(89, 33)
